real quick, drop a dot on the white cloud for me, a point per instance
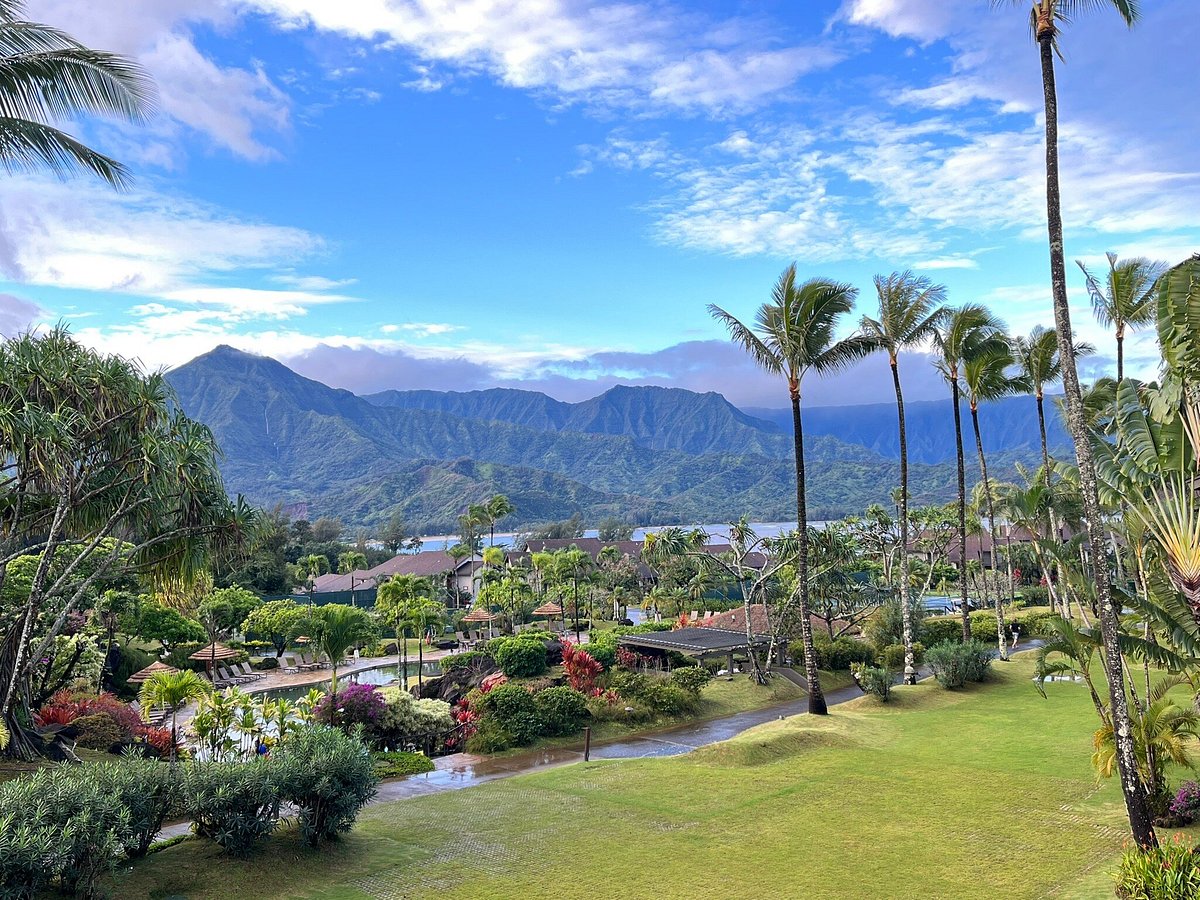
(614, 55)
(923, 20)
(422, 329)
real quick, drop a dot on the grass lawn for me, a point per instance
(982, 793)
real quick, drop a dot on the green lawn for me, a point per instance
(983, 793)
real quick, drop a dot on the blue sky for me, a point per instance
(547, 194)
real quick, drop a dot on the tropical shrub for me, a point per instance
(692, 679)
(98, 731)
(327, 776)
(519, 657)
(472, 659)
(407, 722)
(603, 648)
(1186, 804)
(64, 707)
(398, 763)
(581, 667)
(627, 683)
(235, 804)
(353, 706)
(886, 624)
(560, 710)
(669, 699)
(1168, 872)
(892, 656)
(512, 708)
(66, 824)
(144, 787)
(940, 629)
(1036, 595)
(873, 680)
(837, 655)
(490, 736)
(956, 664)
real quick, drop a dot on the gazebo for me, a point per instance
(698, 643)
(210, 654)
(151, 670)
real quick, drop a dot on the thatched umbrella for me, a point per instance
(214, 651)
(153, 669)
(480, 615)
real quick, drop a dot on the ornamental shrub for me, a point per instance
(353, 706)
(490, 737)
(98, 731)
(561, 710)
(692, 679)
(512, 708)
(519, 657)
(1187, 801)
(669, 699)
(603, 648)
(61, 824)
(873, 680)
(837, 655)
(144, 787)
(1036, 595)
(627, 683)
(940, 629)
(886, 624)
(399, 763)
(956, 664)
(581, 667)
(327, 776)
(476, 660)
(407, 722)
(235, 804)
(1168, 872)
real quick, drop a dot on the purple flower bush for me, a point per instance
(1187, 800)
(356, 704)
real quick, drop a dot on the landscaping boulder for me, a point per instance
(454, 684)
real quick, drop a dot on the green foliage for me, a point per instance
(1035, 595)
(99, 731)
(892, 656)
(168, 626)
(266, 663)
(692, 679)
(954, 664)
(146, 789)
(886, 624)
(669, 699)
(276, 620)
(602, 645)
(471, 659)
(874, 680)
(62, 824)
(490, 737)
(514, 709)
(1168, 872)
(408, 722)
(327, 776)
(399, 763)
(519, 657)
(837, 655)
(561, 710)
(235, 804)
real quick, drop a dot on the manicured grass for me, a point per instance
(986, 792)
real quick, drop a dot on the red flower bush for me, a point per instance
(581, 667)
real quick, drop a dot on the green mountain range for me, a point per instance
(643, 454)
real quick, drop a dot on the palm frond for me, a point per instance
(764, 356)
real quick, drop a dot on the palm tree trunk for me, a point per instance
(1041, 411)
(816, 699)
(910, 669)
(402, 636)
(1001, 642)
(962, 511)
(1120, 355)
(1131, 787)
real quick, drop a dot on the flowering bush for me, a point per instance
(492, 681)
(1168, 872)
(356, 704)
(467, 721)
(628, 659)
(407, 722)
(65, 707)
(582, 670)
(1187, 800)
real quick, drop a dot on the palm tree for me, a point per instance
(396, 600)
(49, 76)
(1037, 358)
(340, 627)
(986, 378)
(497, 508)
(1126, 299)
(909, 309)
(792, 336)
(964, 334)
(574, 564)
(1045, 18)
(172, 690)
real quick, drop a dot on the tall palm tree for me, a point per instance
(1125, 299)
(793, 335)
(964, 334)
(340, 627)
(909, 309)
(497, 507)
(986, 378)
(1037, 358)
(1045, 18)
(395, 601)
(172, 690)
(46, 76)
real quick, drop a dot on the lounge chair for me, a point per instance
(288, 664)
(245, 669)
(464, 640)
(305, 664)
(226, 677)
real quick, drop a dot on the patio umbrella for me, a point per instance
(214, 651)
(550, 611)
(153, 669)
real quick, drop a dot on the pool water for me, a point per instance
(380, 675)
